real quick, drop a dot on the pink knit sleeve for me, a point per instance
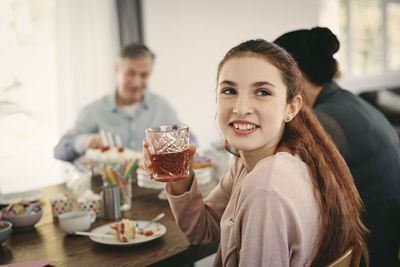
(268, 230)
(200, 219)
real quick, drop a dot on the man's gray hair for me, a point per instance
(135, 50)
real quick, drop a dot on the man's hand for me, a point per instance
(93, 141)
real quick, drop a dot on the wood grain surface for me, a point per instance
(48, 242)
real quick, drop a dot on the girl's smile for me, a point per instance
(242, 127)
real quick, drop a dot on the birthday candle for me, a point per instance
(130, 168)
(110, 175)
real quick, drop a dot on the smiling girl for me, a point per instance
(289, 198)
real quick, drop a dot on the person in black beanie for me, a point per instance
(364, 137)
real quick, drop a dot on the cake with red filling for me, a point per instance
(110, 154)
(126, 230)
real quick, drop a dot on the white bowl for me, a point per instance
(74, 221)
(23, 222)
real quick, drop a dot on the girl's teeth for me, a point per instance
(243, 126)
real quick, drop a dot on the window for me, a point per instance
(28, 95)
(393, 39)
(369, 35)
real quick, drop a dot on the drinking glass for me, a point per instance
(169, 151)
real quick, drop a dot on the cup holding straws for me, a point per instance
(119, 174)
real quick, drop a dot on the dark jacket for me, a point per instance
(371, 148)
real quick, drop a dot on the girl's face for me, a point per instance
(251, 104)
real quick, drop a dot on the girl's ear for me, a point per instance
(293, 108)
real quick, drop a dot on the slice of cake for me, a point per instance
(126, 230)
(107, 154)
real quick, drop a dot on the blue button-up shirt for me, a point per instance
(104, 114)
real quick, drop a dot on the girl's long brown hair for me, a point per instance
(340, 205)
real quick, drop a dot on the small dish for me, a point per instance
(26, 219)
(5, 230)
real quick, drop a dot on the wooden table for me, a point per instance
(48, 242)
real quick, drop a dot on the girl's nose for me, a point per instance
(243, 105)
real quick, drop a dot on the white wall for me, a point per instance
(190, 37)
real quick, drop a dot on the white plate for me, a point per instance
(28, 196)
(157, 228)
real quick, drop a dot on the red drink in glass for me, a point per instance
(171, 166)
(169, 152)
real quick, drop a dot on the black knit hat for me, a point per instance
(313, 50)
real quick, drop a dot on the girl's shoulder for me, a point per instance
(280, 163)
(281, 173)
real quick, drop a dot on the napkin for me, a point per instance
(61, 203)
(90, 201)
(78, 181)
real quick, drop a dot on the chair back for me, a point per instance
(348, 259)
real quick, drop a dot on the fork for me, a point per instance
(141, 229)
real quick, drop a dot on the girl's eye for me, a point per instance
(262, 92)
(229, 91)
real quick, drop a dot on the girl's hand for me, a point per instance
(174, 188)
(146, 161)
